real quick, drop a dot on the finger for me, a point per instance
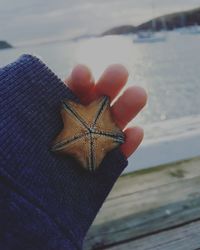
(112, 81)
(128, 105)
(134, 136)
(81, 82)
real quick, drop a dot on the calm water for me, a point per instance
(170, 71)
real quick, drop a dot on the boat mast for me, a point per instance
(153, 16)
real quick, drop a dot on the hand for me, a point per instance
(124, 109)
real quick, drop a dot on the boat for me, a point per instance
(149, 37)
(191, 30)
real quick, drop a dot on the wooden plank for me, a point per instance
(147, 199)
(142, 224)
(146, 179)
(146, 202)
(182, 238)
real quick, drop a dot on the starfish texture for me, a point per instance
(89, 132)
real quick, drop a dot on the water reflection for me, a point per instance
(169, 70)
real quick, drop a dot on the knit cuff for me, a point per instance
(30, 119)
(30, 112)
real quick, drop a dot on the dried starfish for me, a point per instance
(89, 132)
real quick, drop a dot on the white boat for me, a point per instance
(149, 37)
(191, 30)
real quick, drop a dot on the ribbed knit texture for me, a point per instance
(46, 201)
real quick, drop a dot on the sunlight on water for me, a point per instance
(100, 52)
(169, 71)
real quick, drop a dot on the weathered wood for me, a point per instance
(151, 178)
(170, 188)
(145, 203)
(186, 237)
(143, 224)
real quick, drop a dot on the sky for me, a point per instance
(32, 21)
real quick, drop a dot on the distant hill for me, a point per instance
(82, 37)
(173, 21)
(124, 29)
(5, 45)
(168, 22)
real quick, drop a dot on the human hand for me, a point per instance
(124, 109)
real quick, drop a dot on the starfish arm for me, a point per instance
(103, 105)
(91, 155)
(105, 121)
(117, 136)
(81, 151)
(102, 145)
(69, 108)
(66, 142)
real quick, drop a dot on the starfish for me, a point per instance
(89, 132)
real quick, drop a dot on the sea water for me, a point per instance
(169, 71)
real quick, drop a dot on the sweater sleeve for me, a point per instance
(46, 201)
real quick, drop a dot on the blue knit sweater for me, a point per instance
(46, 201)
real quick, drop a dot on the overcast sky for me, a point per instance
(24, 21)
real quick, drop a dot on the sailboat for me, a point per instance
(194, 29)
(191, 30)
(151, 36)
